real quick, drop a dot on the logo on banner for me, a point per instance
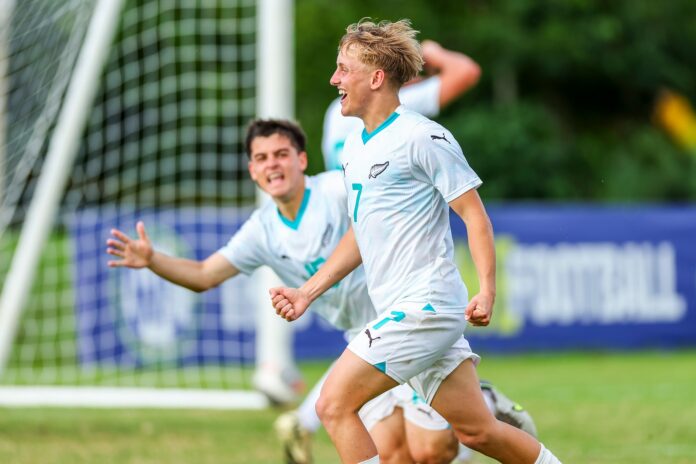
(581, 283)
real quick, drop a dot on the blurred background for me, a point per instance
(582, 127)
(588, 91)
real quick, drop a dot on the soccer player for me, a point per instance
(451, 73)
(402, 171)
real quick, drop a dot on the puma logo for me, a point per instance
(369, 336)
(437, 137)
(377, 169)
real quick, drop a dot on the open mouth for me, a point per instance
(275, 178)
(342, 94)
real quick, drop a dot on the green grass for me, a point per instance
(589, 408)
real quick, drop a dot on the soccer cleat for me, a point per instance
(296, 440)
(509, 411)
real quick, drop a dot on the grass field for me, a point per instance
(589, 408)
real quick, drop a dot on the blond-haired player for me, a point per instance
(402, 172)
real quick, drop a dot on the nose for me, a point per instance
(272, 161)
(334, 79)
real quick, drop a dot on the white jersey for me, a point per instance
(296, 249)
(400, 179)
(422, 97)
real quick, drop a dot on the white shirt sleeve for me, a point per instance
(422, 97)
(245, 250)
(336, 129)
(438, 160)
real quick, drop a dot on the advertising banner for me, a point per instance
(569, 277)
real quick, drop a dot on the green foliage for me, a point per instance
(564, 107)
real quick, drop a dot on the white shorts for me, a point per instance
(419, 346)
(417, 411)
(377, 409)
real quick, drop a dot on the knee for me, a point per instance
(395, 456)
(436, 452)
(476, 438)
(329, 409)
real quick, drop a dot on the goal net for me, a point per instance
(162, 143)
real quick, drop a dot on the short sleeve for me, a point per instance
(245, 250)
(422, 97)
(438, 160)
(336, 129)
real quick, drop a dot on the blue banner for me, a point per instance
(589, 277)
(569, 277)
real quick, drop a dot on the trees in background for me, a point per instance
(565, 107)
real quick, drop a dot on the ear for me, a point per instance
(252, 174)
(378, 78)
(303, 160)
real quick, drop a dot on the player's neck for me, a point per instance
(383, 107)
(289, 205)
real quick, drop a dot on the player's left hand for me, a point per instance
(479, 310)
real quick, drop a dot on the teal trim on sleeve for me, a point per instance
(428, 307)
(366, 136)
(296, 223)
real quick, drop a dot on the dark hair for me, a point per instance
(268, 127)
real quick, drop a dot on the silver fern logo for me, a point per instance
(377, 169)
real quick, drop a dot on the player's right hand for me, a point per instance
(135, 254)
(289, 303)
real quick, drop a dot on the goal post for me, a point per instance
(276, 374)
(155, 134)
(59, 160)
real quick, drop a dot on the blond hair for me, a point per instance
(385, 45)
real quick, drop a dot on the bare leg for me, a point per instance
(460, 401)
(351, 383)
(390, 437)
(431, 446)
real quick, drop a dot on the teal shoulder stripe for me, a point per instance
(296, 223)
(366, 136)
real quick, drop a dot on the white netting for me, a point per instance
(163, 144)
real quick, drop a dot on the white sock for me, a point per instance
(546, 457)
(374, 460)
(307, 412)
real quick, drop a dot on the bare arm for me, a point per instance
(469, 207)
(458, 72)
(194, 275)
(291, 303)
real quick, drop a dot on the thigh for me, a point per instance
(460, 401)
(389, 436)
(352, 382)
(426, 443)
